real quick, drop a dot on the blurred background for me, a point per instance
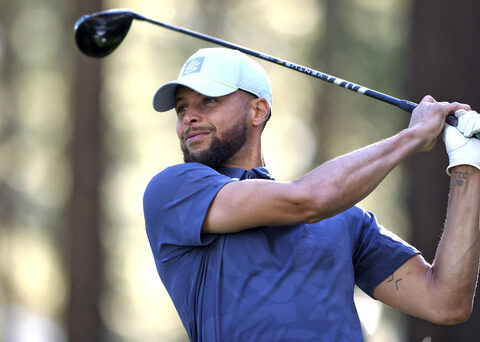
(79, 141)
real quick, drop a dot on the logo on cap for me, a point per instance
(193, 66)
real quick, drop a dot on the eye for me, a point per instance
(208, 100)
(180, 109)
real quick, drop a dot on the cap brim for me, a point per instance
(164, 98)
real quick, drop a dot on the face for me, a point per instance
(211, 129)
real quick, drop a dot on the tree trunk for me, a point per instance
(84, 322)
(333, 40)
(444, 46)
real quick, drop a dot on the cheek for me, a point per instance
(179, 128)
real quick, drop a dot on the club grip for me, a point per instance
(410, 106)
(453, 121)
(406, 105)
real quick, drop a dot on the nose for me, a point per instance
(191, 115)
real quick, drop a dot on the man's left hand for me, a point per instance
(461, 150)
(468, 122)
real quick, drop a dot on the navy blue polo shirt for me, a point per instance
(286, 283)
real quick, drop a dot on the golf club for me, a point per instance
(98, 34)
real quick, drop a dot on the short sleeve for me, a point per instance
(175, 204)
(378, 253)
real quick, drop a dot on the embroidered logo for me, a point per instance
(193, 66)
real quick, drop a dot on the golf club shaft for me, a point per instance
(402, 104)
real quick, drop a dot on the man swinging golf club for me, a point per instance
(246, 258)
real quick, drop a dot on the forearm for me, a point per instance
(342, 182)
(330, 188)
(455, 267)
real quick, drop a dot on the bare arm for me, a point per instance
(443, 292)
(330, 188)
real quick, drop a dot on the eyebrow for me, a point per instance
(178, 99)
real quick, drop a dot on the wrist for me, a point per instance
(464, 167)
(413, 139)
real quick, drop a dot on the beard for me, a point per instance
(220, 150)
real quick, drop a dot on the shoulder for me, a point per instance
(354, 222)
(357, 217)
(181, 173)
(183, 180)
(182, 170)
(361, 224)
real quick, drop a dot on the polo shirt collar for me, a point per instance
(241, 174)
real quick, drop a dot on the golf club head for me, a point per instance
(98, 34)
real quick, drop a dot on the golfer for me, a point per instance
(247, 258)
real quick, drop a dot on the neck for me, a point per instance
(245, 164)
(248, 157)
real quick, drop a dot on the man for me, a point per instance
(246, 258)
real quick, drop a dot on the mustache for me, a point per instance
(190, 129)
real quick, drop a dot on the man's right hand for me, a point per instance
(428, 120)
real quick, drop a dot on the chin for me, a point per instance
(197, 149)
(197, 153)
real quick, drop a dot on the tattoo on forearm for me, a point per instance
(460, 178)
(396, 281)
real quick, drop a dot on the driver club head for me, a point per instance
(98, 34)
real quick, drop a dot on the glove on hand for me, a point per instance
(461, 150)
(468, 122)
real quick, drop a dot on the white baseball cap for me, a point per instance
(216, 72)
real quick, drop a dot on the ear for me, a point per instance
(261, 111)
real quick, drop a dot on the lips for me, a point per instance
(196, 135)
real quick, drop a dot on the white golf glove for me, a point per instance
(468, 122)
(461, 150)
